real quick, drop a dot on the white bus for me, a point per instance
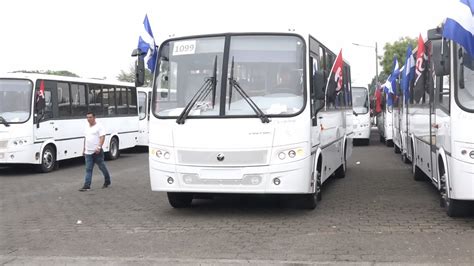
(43, 130)
(441, 124)
(247, 115)
(144, 105)
(385, 122)
(361, 107)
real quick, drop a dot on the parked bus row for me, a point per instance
(42, 117)
(433, 126)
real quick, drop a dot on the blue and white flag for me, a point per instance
(390, 84)
(459, 24)
(408, 73)
(146, 43)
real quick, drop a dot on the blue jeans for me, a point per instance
(98, 159)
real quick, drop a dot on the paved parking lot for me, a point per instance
(376, 214)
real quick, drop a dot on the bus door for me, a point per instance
(44, 112)
(440, 124)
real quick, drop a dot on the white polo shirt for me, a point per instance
(93, 134)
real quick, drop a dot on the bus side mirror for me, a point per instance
(440, 57)
(139, 67)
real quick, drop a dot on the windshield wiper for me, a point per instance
(235, 85)
(4, 121)
(206, 88)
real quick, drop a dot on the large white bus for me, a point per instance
(441, 115)
(361, 107)
(43, 130)
(246, 113)
(144, 105)
(385, 122)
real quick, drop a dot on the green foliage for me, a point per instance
(129, 76)
(65, 73)
(398, 48)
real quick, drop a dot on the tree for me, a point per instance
(129, 76)
(50, 72)
(398, 48)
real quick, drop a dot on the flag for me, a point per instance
(40, 99)
(391, 82)
(146, 43)
(459, 24)
(408, 73)
(420, 70)
(378, 99)
(41, 89)
(335, 81)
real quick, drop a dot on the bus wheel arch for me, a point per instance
(48, 158)
(114, 148)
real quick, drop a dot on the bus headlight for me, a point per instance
(161, 154)
(21, 141)
(289, 155)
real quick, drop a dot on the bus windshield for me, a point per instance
(360, 101)
(465, 88)
(268, 69)
(15, 100)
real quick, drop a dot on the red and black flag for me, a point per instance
(420, 70)
(335, 82)
(40, 100)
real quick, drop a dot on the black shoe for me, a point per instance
(85, 188)
(106, 185)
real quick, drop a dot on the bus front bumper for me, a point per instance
(289, 178)
(461, 180)
(18, 155)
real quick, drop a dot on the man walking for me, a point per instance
(93, 153)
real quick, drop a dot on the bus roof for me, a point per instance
(34, 77)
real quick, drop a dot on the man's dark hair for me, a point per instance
(90, 113)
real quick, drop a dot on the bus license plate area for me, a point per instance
(221, 177)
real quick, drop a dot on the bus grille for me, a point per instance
(230, 158)
(3, 144)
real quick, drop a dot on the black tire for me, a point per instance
(389, 143)
(309, 201)
(405, 158)
(319, 185)
(382, 139)
(114, 150)
(367, 142)
(341, 170)
(180, 200)
(456, 208)
(396, 149)
(48, 160)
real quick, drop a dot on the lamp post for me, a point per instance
(376, 60)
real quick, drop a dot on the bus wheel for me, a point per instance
(341, 171)
(454, 208)
(396, 149)
(319, 195)
(114, 151)
(418, 175)
(405, 158)
(180, 200)
(48, 160)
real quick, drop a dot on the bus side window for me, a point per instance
(64, 99)
(132, 101)
(121, 99)
(443, 90)
(78, 98)
(95, 99)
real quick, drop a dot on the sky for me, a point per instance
(94, 39)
